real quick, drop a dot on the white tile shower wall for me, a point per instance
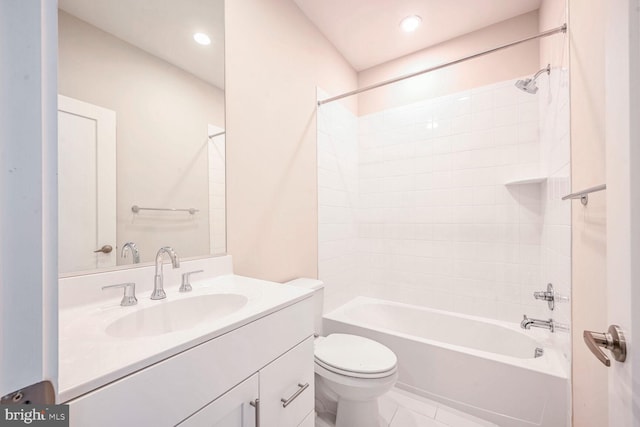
(555, 162)
(436, 224)
(337, 202)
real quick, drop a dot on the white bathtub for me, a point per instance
(481, 366)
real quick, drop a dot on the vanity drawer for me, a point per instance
(288, 378)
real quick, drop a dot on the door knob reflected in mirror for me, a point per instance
(105, 249)
(613, 340)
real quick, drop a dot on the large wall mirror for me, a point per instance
(141, 131)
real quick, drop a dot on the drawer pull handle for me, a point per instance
(286, 402)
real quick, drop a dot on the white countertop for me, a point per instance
(90, 358)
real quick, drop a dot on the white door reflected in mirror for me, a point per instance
(86, 185)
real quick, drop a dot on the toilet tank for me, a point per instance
(317, 286)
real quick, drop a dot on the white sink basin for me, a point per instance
(177, 315)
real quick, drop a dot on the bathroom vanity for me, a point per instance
(234, 351)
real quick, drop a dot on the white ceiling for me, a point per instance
(163, 28)
(367, 32)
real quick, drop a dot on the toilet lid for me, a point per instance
(355, 354)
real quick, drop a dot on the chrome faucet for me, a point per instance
(550, 324)
(158, 286)
(133, 249)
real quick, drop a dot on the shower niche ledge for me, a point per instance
(528, 180)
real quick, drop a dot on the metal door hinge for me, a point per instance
(41, 393)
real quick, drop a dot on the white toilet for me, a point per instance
(351, 372)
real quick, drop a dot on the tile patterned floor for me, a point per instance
(400, 408)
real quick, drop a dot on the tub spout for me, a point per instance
(537, 323)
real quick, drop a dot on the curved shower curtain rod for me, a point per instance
(561, 29)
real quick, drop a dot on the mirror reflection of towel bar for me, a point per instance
(136, 209)
(216, 134)
(583, 195)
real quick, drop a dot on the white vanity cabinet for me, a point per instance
(213, 383)
(287, 388)
(284, 395)
(232, 409)
(309, 421)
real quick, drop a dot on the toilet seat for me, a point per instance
(354, 356)
(355, 375)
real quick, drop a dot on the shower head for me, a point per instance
(529, 85)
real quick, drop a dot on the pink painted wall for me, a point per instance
(589, 223)
(514, 62)
(275, 59)
(552, 14)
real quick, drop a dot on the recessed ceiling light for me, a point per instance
(202, 38)
(410, 23)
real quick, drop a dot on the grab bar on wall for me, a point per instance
(136, 209)
(583, 195)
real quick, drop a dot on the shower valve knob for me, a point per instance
(548, 295)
